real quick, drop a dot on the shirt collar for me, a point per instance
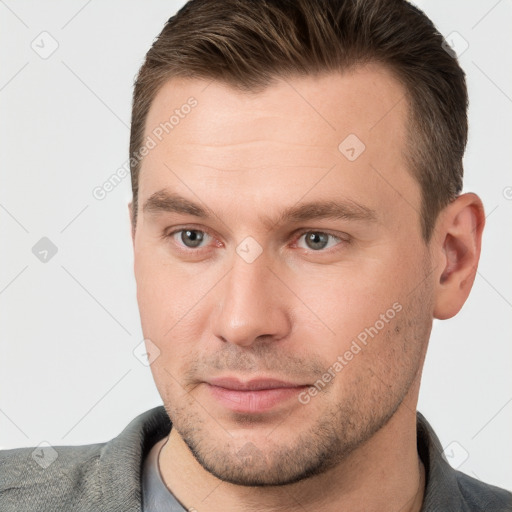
(441, 488)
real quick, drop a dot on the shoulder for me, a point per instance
(53, 475)
(102, 476)
(479, 496)
(450, 489)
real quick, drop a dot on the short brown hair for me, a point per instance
(247, 44)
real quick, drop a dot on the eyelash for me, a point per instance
(297, 237)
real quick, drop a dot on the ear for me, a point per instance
(457, 241)
(130, 213)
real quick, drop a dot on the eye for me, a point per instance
(319, 240)
(190, 238)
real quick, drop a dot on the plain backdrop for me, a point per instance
(69, 325)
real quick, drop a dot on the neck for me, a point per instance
(384, 474)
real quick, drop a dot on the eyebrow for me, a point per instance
(166, 202)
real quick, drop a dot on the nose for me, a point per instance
(252, 304)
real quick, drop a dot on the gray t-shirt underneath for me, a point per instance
(156, 497)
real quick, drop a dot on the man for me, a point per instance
(297, 223)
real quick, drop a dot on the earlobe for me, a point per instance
(459, 237)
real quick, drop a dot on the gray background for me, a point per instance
(68, 374)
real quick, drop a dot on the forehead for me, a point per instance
(296, 129)
(330, 102)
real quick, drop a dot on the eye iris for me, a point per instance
(194, 237)
(318, 240)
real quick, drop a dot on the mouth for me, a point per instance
(253, 396)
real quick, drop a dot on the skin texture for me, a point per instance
(292, 311)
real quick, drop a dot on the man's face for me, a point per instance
(344, 301)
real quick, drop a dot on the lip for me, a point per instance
(251, 385)
(253, 396)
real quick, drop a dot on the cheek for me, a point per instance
(173, 305)
(163, 289)
(359, 311)
(351, 298)
(168, 304)
(155, 295)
